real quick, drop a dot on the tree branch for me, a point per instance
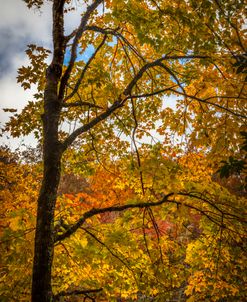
(76, 292)
(206, 101)
(69, 140)
(107, 247)
(114, 32)
(77, 37)
(212, 216)
(135, 146)
(158, 62)
(120, 102)
(234, 26)
(145, 95)
(81, 103)
(73, 228)
(77, 85)
(166, 68)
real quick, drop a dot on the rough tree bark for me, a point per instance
(52, 152)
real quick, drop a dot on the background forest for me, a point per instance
(136, 190)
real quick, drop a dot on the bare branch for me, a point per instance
(77, 85)
(77, 37)
(173, 75)
(69, 140)
(135, 146)
(71, 35)
(107, 247)
(206, 101)
(76, 292)
(117, 34)
(200, 196)
(12, 237)
(157, 63)
(80, 104)
(145, 95)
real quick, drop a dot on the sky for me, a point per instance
(20, 26)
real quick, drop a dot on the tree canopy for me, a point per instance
(140, 113)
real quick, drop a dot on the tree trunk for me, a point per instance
(44, 247)
(52, 152)
(44, 236)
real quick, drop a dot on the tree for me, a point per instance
(151, 252)
(150, 50)
(19, 185)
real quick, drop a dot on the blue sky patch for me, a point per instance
(80, 56)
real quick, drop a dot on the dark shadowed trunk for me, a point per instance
(43, 254)
(52, 152)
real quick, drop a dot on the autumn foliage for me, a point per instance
(142, 186)
(180, 249)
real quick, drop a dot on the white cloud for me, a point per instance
(21, 22)
(20, 26)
